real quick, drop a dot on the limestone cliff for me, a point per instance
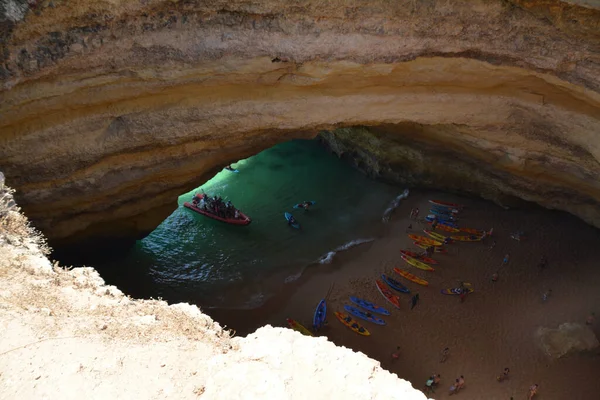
(66, 335)
(112, 108)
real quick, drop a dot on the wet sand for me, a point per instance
(495, 326)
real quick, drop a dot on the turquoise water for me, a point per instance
(192, 258)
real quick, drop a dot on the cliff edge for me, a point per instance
(67, 335)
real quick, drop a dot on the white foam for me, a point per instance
(327, 258)
(393, 205)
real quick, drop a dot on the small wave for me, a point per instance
(293, 278)
(393, 205)
(327, 258)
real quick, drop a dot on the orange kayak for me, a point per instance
(411, 277)
(425, 240)
(446, 228)
(351, 323)
(387, 293)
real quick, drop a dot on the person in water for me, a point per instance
(229, 168)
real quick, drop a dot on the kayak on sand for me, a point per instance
(446, 204)
(367, 305)
(425, 240)
(436, 236)
(425, 246)
(456, 291)
(411, 277)
(366, 316)
(394, 284)
(351, 323)
(429, 219)
(297, 326)
(419, 257)
(320, 313)
(387, 293)
(416, 263)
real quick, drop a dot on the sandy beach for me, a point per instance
(494, 328)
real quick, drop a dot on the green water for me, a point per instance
(192, 258)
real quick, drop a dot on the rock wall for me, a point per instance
(112, 108)
(67, 335)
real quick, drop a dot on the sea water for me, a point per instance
(192, 258)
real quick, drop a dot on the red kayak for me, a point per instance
(243, 219)
(418, 257)
(446, 204)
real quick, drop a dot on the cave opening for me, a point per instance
(195, 259)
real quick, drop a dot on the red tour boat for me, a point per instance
(207, 208)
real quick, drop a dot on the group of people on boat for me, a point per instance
(216, 206)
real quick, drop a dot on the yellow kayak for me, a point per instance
(425, 246)
(411, 277)
(417, 263)
(297, 326)
(435, 235)
(352, 324)
(425, 240)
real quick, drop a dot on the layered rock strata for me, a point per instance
(110, 109)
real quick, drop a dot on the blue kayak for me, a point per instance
(287, 216)
(451, 224)
(367, 305)
(301, 205)
(442, 216)
(444, 211)
(320, 314)
(231, 170)
(394, 284)
(366, 316)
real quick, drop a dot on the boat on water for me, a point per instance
(216, 209)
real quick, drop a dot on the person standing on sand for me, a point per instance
(454, 387)
(532, 391)
(506, 259)
(461, 383)
(493, 244)
(414, 301)
(504, 375)
(546, 295)
(444, 354)
(396, 354)
(495, 277)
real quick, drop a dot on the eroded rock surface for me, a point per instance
(110, 109)
(567, 339)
